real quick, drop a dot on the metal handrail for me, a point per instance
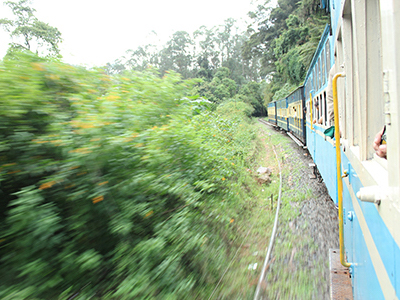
(338, 171)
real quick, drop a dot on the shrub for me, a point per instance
(110, 184)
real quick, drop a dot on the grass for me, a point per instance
(254, 230)
(293, 272)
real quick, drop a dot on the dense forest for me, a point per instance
(125, 181)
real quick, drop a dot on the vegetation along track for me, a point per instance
(308, 227)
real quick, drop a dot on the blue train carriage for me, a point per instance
(281, 112)
(319, 112)
(271, 110)
(296, 114)
(367, 44)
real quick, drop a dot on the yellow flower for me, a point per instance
(112, 97)
(47, 185)
(231, 221)
(105, 78)
(54, 77)
(223, 178)
(97, 199)
(86, 125)
(13, 172)
(37, 66)
(9, 165)
(148, 214)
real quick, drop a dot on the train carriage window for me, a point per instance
(325, 110)
(320, 107)
(319, 73)
(323, 67)
(314, 80)
(328, 62)
(308, 90)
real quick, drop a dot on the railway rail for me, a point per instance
(273, 234)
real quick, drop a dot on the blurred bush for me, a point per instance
(110, 186)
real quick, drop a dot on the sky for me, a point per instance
(95, 32)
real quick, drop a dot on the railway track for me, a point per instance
(296, 265)
(274, 230)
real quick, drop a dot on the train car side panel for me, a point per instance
(367, 44)
(295, 113)
(282, 120)
(365, 274)
(272, 112)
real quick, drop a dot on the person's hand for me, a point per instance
(380, 149)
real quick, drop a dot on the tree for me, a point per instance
(141, 58)
(28, 33)
(177, 54)
(207, 58)
(251, 93)
(285, 40)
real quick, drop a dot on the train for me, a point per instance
(350, 103)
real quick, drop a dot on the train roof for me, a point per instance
(295, 90)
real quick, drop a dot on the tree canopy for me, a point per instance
(29, 33)
(285, 40)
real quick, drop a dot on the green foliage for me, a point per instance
(283, 92)
(29, 32)
(221, 88)
(114, 187)
(241, 109)
(251, 93)
(285, 41)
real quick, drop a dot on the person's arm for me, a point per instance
(378, 144)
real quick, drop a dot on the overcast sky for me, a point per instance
(95, 32)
